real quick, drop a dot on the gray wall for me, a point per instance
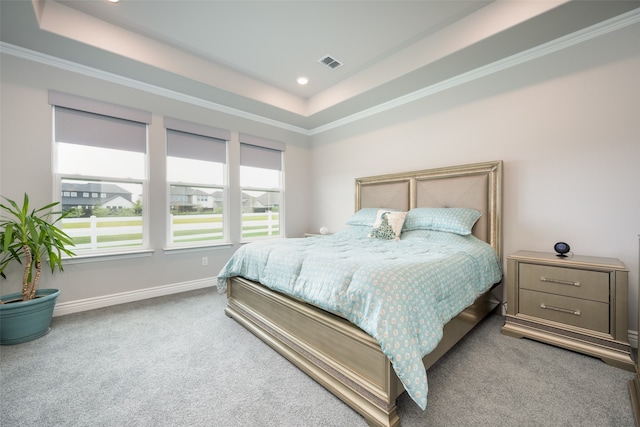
(25, 166)
(567, 127)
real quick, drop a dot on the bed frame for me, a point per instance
(336, 353)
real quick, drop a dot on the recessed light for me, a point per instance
(302, 80)
(115, 1)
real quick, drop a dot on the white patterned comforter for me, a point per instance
(401, 292)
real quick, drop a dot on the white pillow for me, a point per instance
(395, 220)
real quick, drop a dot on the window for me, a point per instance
(261, 186)
(101, 150)
(197, 183)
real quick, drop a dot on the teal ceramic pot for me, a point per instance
(26, 320)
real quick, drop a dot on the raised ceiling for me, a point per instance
(245, 56)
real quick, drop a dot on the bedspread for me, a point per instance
(401, 292)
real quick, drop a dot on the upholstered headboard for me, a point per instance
(476, 186)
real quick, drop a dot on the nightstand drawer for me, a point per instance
(570, 311)
(585, 284)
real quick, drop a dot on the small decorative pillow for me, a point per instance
(388, 225)
(452, 220)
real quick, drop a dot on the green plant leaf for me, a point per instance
(33, 231)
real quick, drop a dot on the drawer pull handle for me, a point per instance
(563, 310)
(561, 282)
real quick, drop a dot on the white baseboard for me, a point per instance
(124, 297)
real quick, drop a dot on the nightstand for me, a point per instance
(577, 302)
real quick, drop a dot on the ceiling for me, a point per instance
(244, 57)
(275, 42)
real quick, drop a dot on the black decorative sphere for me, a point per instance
(562, 248)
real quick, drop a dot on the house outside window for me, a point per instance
(100, 169)
(197, 183)
(261, 183)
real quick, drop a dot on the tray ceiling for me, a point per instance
(246, 55)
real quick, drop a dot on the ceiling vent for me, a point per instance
(330, 62)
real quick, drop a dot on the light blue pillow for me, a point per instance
(452, 220)
(366, 216)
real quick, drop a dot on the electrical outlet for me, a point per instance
(205, 260)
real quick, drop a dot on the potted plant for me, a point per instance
(28, 238)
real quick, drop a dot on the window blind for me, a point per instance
(79, 127)
(196, 128)
(197, 147)
(261, 153)
(195, 141)
(85, 121)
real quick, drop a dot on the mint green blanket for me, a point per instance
(401, 292)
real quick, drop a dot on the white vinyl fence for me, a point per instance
(104, 232)
(186, 228)
(109, 232)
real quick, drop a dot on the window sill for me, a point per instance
(260, 239)
(184, 249)
(80, 259)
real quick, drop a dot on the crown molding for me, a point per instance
(594, 31)
(569, 40)
(84, 70)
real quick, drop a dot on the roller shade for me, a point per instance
(95, 123)
(261, 153)
(190, 140)
(197, 147)
(79, 127)
(89, 105)
(196, 129)
(259, 157)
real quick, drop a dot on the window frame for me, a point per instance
(263, 144)
(218, 136)
(108, 111)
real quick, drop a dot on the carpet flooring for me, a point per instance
(179, 361)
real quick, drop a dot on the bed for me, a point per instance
(341, 356)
